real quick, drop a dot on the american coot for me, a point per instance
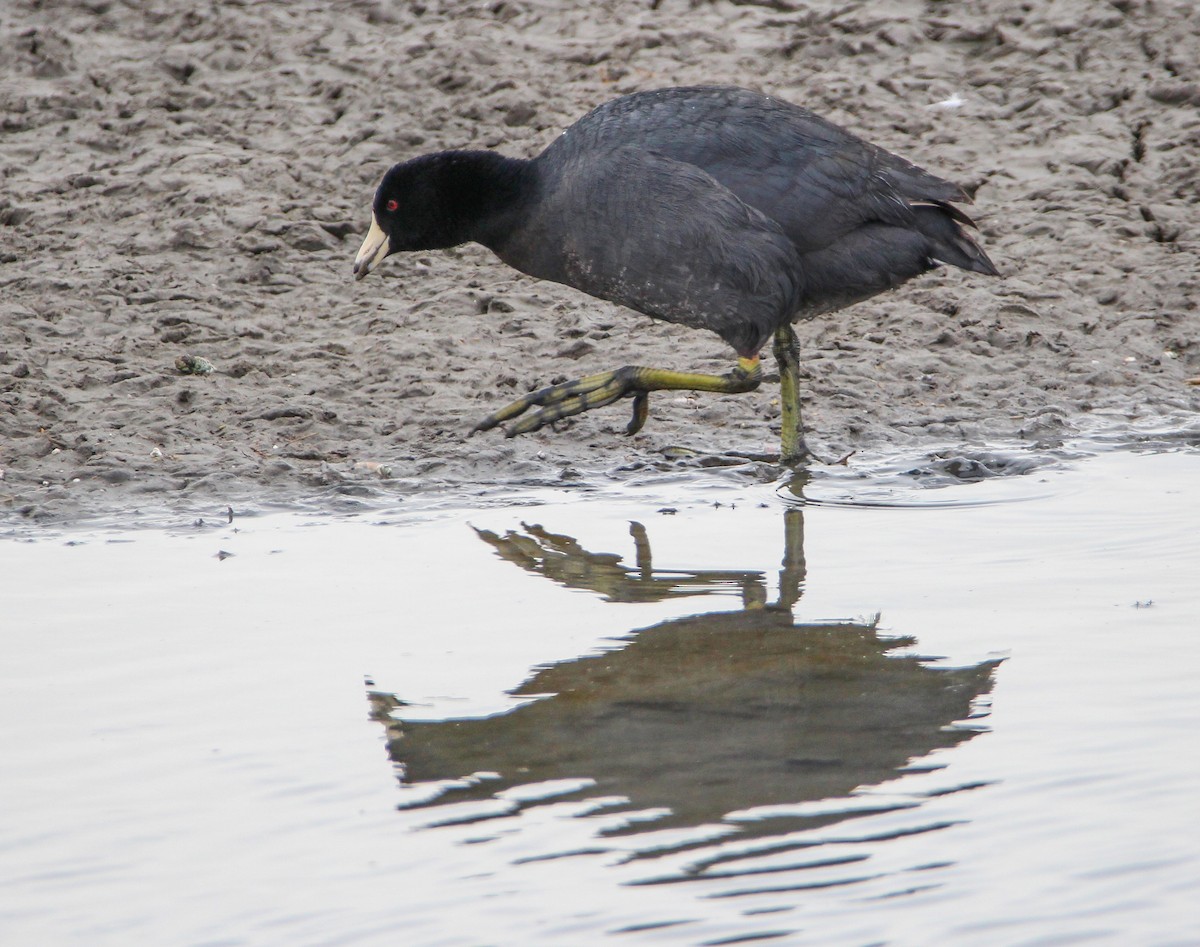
(717, 208)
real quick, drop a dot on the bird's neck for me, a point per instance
(480, 191)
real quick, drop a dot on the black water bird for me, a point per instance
(717, 208)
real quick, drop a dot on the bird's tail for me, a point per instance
(943, 224)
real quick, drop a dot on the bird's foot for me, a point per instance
(570, 398)
(574, 397)
(796, 453)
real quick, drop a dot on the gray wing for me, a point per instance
(815, 179)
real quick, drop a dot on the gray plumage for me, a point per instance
(717, 208)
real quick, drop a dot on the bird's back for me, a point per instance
(818, 181)
(729, 210)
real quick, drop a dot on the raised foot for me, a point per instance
(564, 400)
(574, 397)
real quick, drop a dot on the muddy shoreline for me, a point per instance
(179, 180)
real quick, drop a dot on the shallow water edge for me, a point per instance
(693, 715)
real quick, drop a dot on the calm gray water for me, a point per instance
(697, 713)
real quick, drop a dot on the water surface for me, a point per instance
(691, 713)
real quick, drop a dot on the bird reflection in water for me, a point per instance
(697, 718)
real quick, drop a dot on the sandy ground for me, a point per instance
(182, 178)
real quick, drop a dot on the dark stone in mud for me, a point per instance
(1175, 93)
(116, 475)
(276, 414)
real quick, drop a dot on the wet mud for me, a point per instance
(191, 181)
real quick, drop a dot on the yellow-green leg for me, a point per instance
(795, 570)
(594, 391)
(792, 448)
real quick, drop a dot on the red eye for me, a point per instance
(392, 205)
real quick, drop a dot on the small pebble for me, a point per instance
(193, 365)
(383, 471)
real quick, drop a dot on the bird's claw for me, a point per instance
(574, 397)
(570, 398)
(641, 411)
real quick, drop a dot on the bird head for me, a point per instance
(414, 209)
